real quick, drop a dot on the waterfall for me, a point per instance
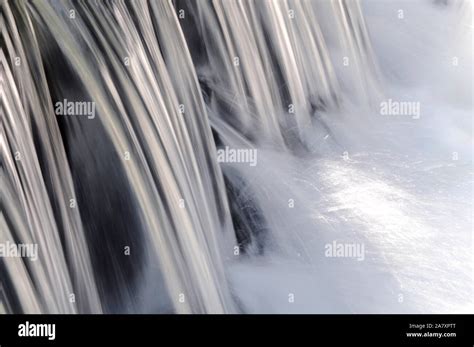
(112, 115)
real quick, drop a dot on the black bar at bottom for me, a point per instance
(313, 330)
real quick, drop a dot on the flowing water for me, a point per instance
(132, 211)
